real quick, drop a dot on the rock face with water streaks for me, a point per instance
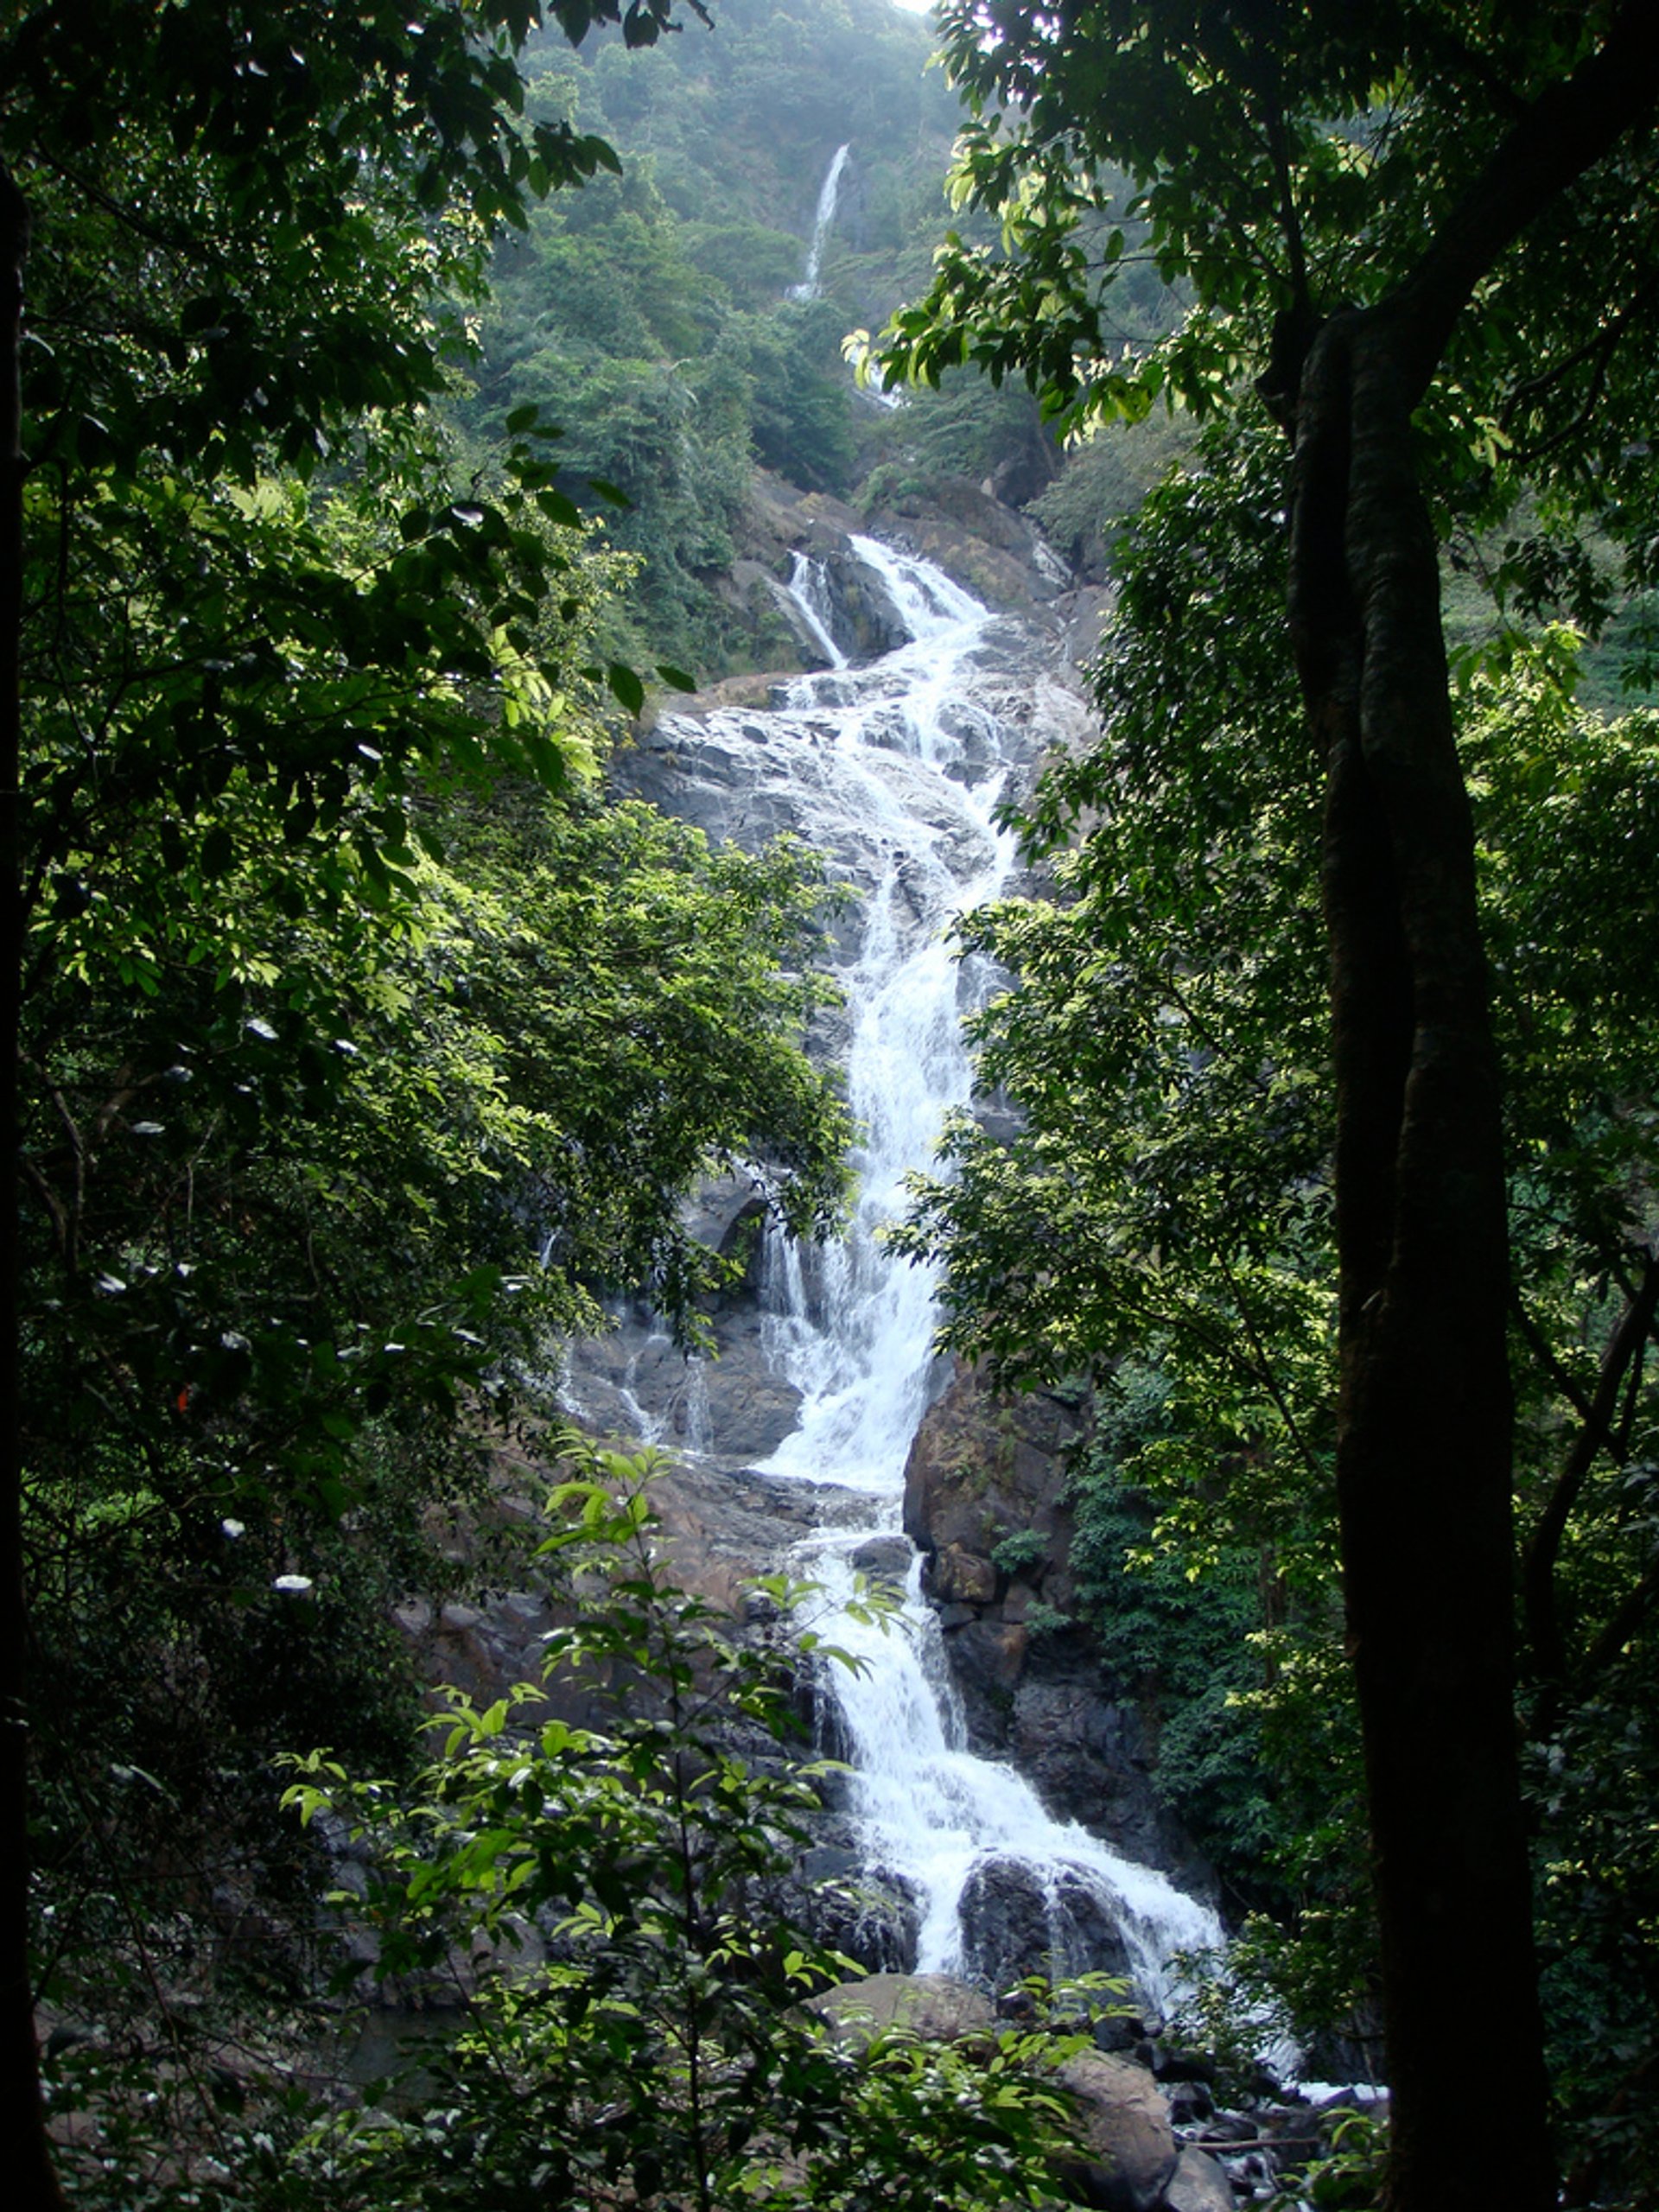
(985, 1504)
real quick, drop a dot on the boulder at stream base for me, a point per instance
(1125, 2154)
(935, 2006)
(1126, 2149)
(1198, 2183)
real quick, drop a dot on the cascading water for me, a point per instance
(912, 745)
(822, 223)
(892, 768)
(807, 593)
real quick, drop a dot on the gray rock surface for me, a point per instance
(1127, 2151)
(1198, 2183)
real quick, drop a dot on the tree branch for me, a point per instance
(1626, 1342)
(1565, 131)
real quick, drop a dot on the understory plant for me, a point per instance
(600, 1863)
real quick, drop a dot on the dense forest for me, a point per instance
(401, 403)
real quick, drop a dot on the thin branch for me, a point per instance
(1290, 223)
(1561, 135)
(1268, 1377)
(1627, 1344)
(1601, 343)
(1622, 1625)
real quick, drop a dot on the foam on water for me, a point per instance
(852, 1329)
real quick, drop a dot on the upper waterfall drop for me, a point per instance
(805, 592)
(822, 222)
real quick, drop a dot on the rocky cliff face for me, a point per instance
(985, 1504)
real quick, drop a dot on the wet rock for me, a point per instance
(1198, 2183)
(987, 1467)
(869, 1913)
(1127, 2151)
(1119, 2032)
(1190, 2102)
(864, 620)
(954, 1575)
(1017, 1920)
(885, 1559)
(988, 1658)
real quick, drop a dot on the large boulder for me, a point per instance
(934, 2006)
(1126, 2149)
(1200, 2184)
(1014, 1920)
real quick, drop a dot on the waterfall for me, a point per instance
(807, 592)
(938, 1817)
(892, 768)
(808, 287)
(915, 750)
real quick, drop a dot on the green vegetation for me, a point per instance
(363, 1043)
(1406, 299)
(363, 1046)
(1175, 975)
(651, 317)
(595, 1867)
(662, 2055)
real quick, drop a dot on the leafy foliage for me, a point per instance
(660, 2055)
(363, 1046)
(1159, 1215)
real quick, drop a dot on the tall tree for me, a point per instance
(1419, 228)
(251, 229)
(1165, 1196)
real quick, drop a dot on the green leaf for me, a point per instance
(626, 686)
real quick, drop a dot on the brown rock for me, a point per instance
(1127, 2151)
(987, 1465)
(957, 1576)
(988, 1658)
(934, 2006)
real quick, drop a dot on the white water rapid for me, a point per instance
(891, 767)
(919, 744)
(822, 222)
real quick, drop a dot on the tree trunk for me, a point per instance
(30, 2153)
(1425, 1416)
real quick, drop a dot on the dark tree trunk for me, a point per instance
(1423, 1452)
(1425, 1416)
(34, 2184)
